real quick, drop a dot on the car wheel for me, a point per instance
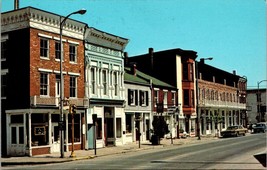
(236, 134)
(244, 134)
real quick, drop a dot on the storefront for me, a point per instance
(36, 131)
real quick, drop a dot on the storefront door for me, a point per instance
(17, 140)
(55, 138)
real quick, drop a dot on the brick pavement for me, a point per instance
(89, 154)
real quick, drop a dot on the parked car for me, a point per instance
(260, 127)
(236, 130)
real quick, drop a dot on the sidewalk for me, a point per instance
(89, 154)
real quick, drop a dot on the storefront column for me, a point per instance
(30, 134)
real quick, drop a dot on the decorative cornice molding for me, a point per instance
(35, 18)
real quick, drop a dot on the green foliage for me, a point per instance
(160, 127)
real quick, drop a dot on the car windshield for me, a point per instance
(259, 125)
(232, 127)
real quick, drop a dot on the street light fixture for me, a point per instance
(259, 100)
(62, 23)
(198, 115)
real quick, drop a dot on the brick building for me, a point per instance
(175, 67)
(31, 81)
(222, 99)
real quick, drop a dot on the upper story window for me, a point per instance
(115, 82)
(73, 86)
(173, 98)
(191, 72)
(3, 86)
(186, 97)
(57, 50)
(44, 84)
(73, 53)
(165, 99)
(143, 98)
(93, 81)
(185, 71)
(104, 82)
(156, 97)
(132, 97)
(3, 50)
(44, 47)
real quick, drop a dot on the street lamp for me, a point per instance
(259, 100)
(198, 116)
(62, 23)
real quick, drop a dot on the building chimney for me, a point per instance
(16, 4)
(150, 53)
(133, 69)
(234, 72)
(126, 59)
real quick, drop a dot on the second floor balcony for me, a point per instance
(39, 101)
(221, 104)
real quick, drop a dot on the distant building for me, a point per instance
(256, 105)
(175, 67)
(222, 99)
(159, 99)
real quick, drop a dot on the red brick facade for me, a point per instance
(36, 62)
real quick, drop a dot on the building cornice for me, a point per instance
(34, 18)
(98, 37)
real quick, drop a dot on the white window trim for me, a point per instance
(76, 88)
(73, 42)
(58, 39)
(74, 74)
(48, 85)
(44, 35)
(45, 70)
(58, 72)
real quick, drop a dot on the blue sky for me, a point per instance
(233, 32)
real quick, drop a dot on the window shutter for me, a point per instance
(136, 97)
(129, 97)
(147, 98)
(140, 97)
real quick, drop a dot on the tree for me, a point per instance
(160, 126)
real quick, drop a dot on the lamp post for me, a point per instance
(259, 99)
(62, 23)
(197, 97)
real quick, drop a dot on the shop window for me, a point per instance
(13, 135)
(77, 130)
(118, 127)
(128, 123)
(21, 135)
(39, 129)
(99, 128)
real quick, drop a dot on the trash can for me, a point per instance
(155, 140)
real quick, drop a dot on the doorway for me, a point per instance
(55, 138)
(17, 140)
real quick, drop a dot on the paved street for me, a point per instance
(209, 153)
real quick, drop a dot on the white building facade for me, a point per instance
(104, 88)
